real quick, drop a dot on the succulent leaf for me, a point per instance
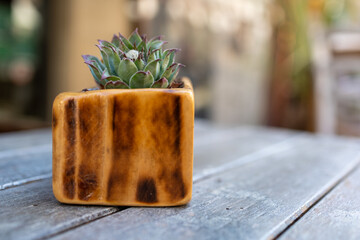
(126, 42)
(161, 83)
(123, 47)
(104, 56)
(135, 38)
(176, 72)
(153, 55)
(168, 58)
(104, 43)
(116, 85)
(95, 72)
(169, 71)
(153, 67)
(139, 64)
(142, 46)
(141, 80)
(113, 59)
(106, 77)
(97, 62)
(126, 69)
(116, 41)
(135, 61)
(155, 44)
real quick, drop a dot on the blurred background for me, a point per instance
(292, 64)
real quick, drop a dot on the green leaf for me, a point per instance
(97, 62)
(169, 71)
(104, 56)
(153, 55)
(126, 42)
(161, 83)
(116, 85)
(113, 59)
(139, 64)
(142, 46)
(168, 60)
(104, 43)
(95, 72)
(135, 38)
(174, 74)
(116, 41)
(153, 67)
(155, 44)
(141, 80)
(106, 77)
(123, 47)
(126, 69)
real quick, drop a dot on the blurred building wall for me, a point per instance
(73, 30)
(240, 78)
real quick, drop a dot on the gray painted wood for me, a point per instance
(63, 217)
(253, 201)
(27, 211)
(24, 139)
(26, 156)
(337, 216)
(236, 146)
(22, 167)
(19, 170)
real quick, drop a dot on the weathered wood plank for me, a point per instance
(23, 143)
(256, 200)
(18, 170)
(24, 140)
(27, 211)
(225, 144)
(26, 156)
(236, 146)
(63, 217)
(336, 216)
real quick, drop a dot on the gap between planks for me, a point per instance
(282, 227)
(212, 138)
(248, 158)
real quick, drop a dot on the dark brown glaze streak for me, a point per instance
(178, 190)
(54, 119)
(54, 142)
(91, 147)
(70, 133)
(146, 190)
(124, 123)
(167, 120)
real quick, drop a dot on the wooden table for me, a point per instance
(249, 183)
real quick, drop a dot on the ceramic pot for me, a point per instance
(130, 147)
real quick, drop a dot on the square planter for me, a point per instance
(124, 147)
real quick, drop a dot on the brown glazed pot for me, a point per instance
(129, 147)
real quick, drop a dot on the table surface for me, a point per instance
(249, 183)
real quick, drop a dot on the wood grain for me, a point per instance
(26, 156)
(65, 217)
(19, 170)
(32, 212)
(24, 139)
(337, 216)
(19, 166)
(256, 200)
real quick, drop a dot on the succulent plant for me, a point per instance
(134, 63)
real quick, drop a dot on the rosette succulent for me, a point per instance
(134, 63)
